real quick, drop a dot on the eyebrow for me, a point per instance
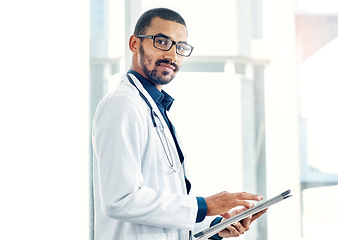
(162, 35)
(165, 36)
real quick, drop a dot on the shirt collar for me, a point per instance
(159, 97)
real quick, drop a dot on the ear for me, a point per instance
(134, 44)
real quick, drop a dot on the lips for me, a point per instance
(167, 64)
(171, 67)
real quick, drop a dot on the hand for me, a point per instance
(223, 202)
(240, 227)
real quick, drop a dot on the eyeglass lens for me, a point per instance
(163, 43)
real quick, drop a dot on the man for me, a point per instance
(140, 187)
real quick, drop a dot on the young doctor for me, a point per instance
(141, 191)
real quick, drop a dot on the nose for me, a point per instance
(171, 54)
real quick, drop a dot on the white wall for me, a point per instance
(44, 123)
(282, 141)
(207, 114)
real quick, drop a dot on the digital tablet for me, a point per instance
(205, 234)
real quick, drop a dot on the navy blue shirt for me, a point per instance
(164, 102)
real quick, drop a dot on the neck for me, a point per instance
(158, 86)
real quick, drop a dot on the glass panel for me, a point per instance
(317, 38)
(267, 119)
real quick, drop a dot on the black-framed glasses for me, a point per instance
(165, 44)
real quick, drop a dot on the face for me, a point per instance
(157, 65)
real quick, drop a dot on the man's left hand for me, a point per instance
(238, 228)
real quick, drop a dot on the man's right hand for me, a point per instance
(222, 202)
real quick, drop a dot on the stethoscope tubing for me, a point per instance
(159, 127)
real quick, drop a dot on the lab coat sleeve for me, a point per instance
(119, 140)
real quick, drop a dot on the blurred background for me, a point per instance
(254, 105)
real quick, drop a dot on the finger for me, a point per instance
(233, 231)
(233, 212)
(259, 214)
(239, 227)
(237, 211)
(249, 196)
(226, 215)
(243, 203)
(225, 233)
(246, 222)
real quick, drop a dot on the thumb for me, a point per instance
(233, 212)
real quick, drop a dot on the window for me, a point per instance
(258, 100)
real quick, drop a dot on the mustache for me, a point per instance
(166, 61)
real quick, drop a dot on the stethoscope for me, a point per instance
(159, 128)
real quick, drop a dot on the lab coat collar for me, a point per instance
(160, 97)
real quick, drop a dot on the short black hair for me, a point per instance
(164, 13)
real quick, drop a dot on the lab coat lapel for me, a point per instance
(165, 126)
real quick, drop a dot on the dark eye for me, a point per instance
(162, 41)
(183, 47)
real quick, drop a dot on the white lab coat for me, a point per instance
(137, 195)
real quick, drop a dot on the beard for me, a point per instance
(153, 75)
